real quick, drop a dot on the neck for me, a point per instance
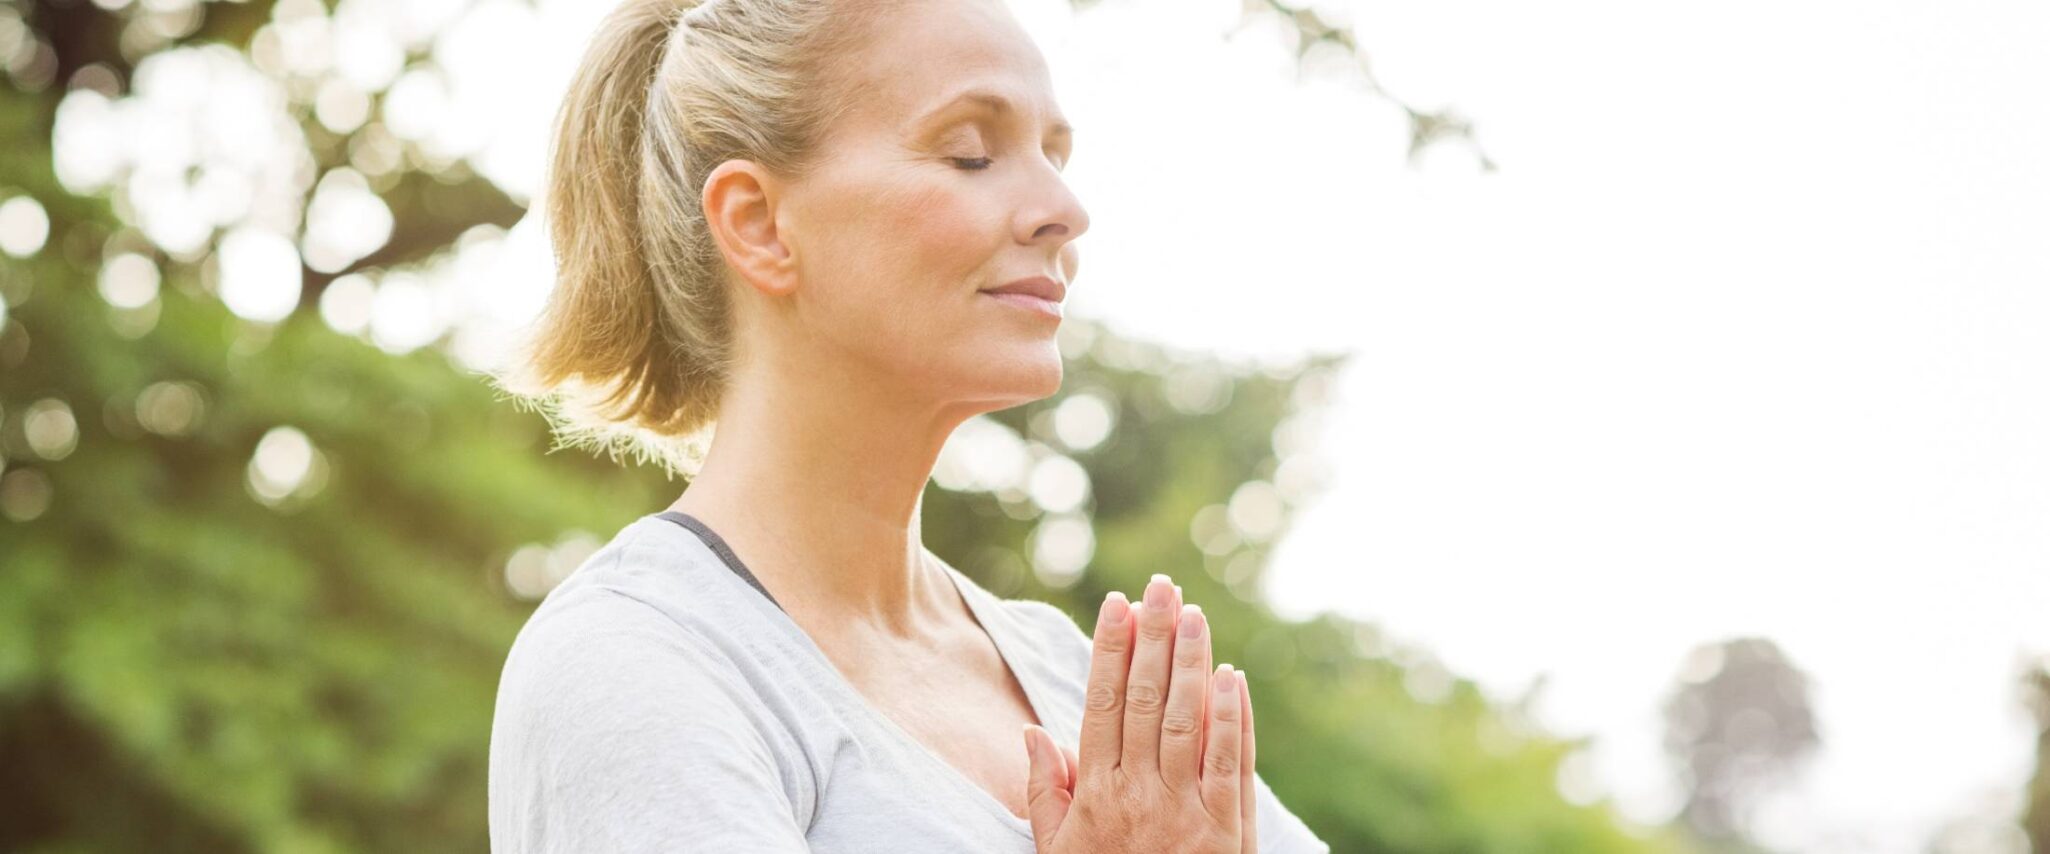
(818, 484)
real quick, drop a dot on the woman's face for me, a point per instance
(929, 192)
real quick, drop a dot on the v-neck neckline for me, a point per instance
(976, 608)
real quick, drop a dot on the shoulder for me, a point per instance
(596, 665)
(604, 616)
(654, 588)
(614, 703)
(626, 649)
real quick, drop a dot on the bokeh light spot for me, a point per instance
(171, 409)
(24, 226)
(1211, 530)
(534, 569)
(982, 455)
(1256, 510)
(285, 465)
(51, 429)
(1058, 484)
(1083, 421)
(1061, 547)
(403, 317)
(129, 280)
(345, 222)
(24, 494)
(260, 274)
(346, 303)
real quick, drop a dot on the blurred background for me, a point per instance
(1594, 426)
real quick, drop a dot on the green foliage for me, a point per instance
(315, 676)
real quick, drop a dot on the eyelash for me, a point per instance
(983, 162)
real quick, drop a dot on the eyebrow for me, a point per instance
(993, 102)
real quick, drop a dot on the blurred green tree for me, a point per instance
(261, 575)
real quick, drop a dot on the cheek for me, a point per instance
(937, 236)
(923, 249)
(941, 247)
(903, 261)
(905, 237)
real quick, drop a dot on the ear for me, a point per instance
(740, 199)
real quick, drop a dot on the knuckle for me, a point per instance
(1228, 712)
(1141, 797)
(1102, 698)
(1222, 763)
(1144, 698)
(1120, 795)
(1180, 724)
(1156, 630)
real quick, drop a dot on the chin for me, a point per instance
(1023, 377)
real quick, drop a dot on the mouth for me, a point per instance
(1041, 294)
(1028, 302)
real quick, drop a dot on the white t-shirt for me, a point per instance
(659, 700)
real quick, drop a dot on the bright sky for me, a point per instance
(1746, 337)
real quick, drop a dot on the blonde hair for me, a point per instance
(635, 345)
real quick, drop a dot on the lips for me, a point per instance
(1042, 287)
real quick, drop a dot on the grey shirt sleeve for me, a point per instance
(619, 730)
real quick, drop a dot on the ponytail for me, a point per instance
(594, 362)
(635, 345)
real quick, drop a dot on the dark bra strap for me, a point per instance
(719, 547)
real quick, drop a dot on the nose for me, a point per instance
(1055, 215)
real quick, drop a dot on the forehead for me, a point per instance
(924, 53)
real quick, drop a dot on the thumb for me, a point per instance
(1046, 790)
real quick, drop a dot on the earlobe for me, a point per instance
(740, 205)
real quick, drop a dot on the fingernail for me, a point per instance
(1226, 682)
(1192, 621)
(1159, 591)
(1114, 609)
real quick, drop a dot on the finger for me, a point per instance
(1206, 659)
(1103, 713)
(1146, 687)
(1249, 794)
(1205, 717)
(1046, 800)
(1074, 767)
(1209, 645)
(1221, 781)
(1181, 726)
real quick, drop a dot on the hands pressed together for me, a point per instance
(1166, 761)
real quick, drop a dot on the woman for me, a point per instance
(840, 228)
